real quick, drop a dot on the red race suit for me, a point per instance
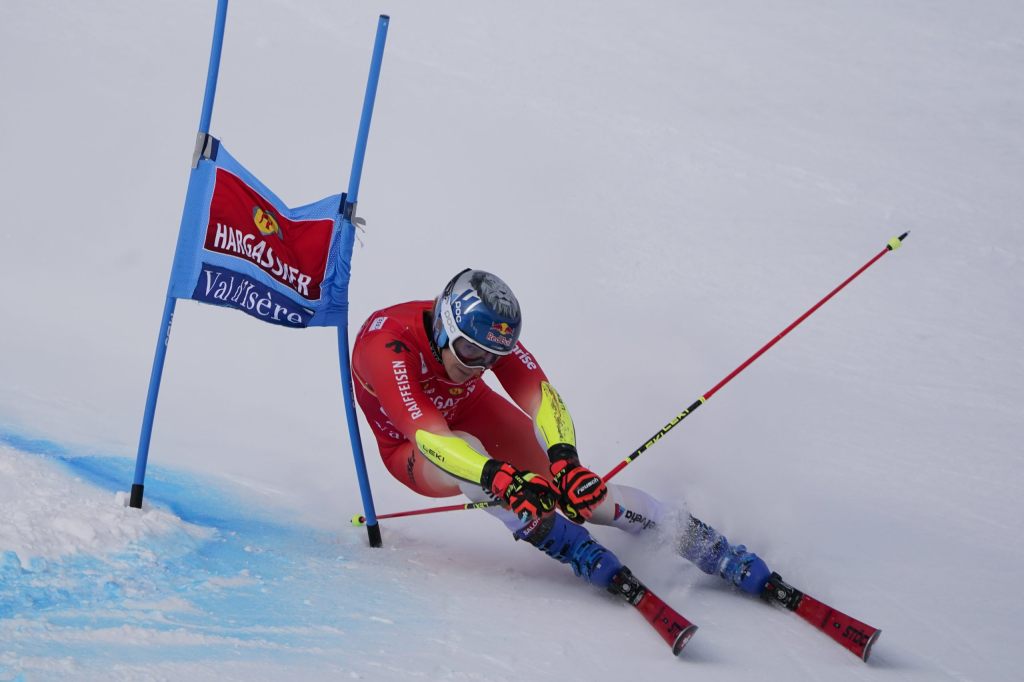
(402, 387)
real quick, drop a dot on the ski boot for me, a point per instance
(571, 544)
(712, 553)
(744, 569)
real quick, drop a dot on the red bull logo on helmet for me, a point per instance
(502, 333)
(503, 328)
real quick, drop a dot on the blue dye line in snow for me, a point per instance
(194, 501)
(248, 580)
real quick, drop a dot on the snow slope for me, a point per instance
(665, 186)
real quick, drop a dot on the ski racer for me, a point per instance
(442, 431)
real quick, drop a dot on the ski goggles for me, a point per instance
(471, 355)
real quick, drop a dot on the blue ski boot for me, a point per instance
(744, 569)
(571, 544)
(712, 553)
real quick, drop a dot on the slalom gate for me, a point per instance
(240, 246)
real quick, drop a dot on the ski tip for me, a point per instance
(867, 647)
(682, 639)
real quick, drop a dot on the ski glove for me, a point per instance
(528, 495)
(580, 490)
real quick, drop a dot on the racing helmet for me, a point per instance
(478, 317)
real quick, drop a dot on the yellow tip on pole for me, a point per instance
(897, 242)
(358, 520)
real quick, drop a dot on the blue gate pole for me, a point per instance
(348, 214)
(164, 336)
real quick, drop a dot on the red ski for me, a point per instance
(856, 636)
(673, 628)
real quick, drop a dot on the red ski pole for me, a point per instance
(892, 245)
(360, 520)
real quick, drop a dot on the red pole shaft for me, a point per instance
(893, 244)
(428, 510)
(765, 347)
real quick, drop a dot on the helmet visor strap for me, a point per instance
(471, 355)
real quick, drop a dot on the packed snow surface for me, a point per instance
(666, 185)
